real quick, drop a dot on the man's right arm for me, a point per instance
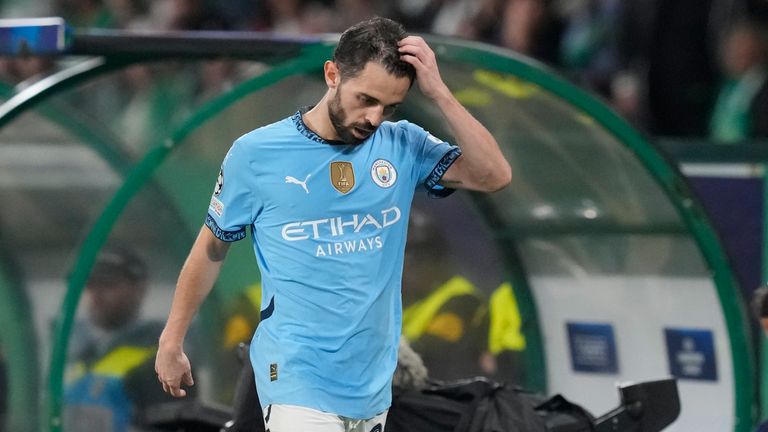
(196, 279)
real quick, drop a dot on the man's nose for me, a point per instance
(375, 115)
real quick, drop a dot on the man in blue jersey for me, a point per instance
(327, 193)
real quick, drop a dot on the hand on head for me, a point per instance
(415, 51)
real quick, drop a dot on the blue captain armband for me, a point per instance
(434, 189)
(227, 236)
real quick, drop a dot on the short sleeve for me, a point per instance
(231, 208)
(433, 158)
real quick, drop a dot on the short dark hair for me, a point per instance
(118, 263)
(373, 40)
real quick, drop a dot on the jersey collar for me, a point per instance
(298, 121)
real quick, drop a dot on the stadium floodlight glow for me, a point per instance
(33, 36)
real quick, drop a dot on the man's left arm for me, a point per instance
(482, 165)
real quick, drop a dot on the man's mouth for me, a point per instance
(362, 131)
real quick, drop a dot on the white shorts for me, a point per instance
(291, 418)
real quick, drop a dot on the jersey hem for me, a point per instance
(376, 410)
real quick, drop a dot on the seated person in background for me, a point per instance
(445, 319)
(741, 109)
(110, 376)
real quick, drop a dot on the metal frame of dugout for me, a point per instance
(526, 232)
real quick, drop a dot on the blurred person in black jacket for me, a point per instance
(669, 50)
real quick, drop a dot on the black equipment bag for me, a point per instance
(561, 415)
(475, 405)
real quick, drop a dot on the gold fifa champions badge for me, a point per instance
(342, 176)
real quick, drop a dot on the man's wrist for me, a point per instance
(446, 101)
(443, 96)
(170, 341)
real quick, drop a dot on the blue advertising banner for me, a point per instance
(593, 348)
(691, 354)
(735, 207)
(32, 36)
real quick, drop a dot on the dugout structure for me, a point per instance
(617, 274)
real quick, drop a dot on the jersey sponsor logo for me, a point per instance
(342, 176)
(349, 246)
(383, 173)
(337, 226)
(294, 180)
(219, 183)
(216, 206)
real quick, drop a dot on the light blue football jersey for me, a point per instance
(329, 223)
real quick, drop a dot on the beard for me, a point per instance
(338, 116)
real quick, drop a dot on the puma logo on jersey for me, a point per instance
(294, 180)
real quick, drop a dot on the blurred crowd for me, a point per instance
(671, 67)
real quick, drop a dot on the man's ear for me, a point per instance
(332, 74)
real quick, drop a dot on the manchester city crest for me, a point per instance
(383, 173)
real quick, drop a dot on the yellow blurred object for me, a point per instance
(474, 96)
(238, 330)
(507, 85)
(122, 360)
(417, 317)
(448, 326)
(505, 333)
